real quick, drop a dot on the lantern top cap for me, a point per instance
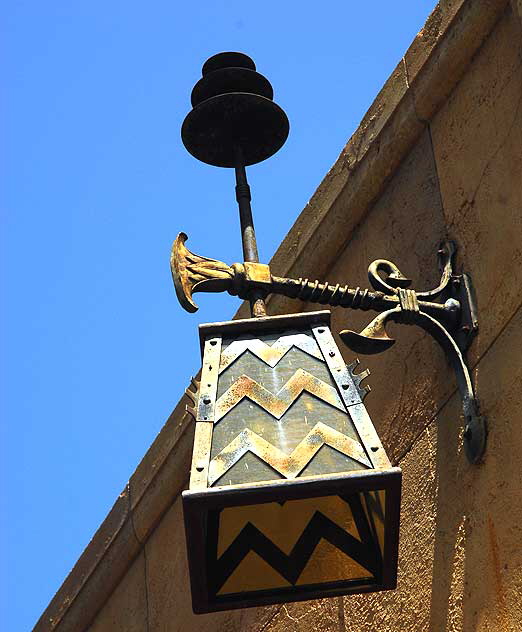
(234, 121)
(227, 60)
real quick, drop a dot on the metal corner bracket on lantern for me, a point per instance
(291, 494)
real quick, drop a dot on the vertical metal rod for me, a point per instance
(248, 235)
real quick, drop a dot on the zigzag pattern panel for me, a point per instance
(283, 523)
(288, 465)
(276, 404)
(355, 557)
(269, 354)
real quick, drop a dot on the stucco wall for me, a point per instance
(460, 562)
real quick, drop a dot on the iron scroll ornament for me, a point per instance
(447, 312)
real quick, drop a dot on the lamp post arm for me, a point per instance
(354, 298)
(453, 322)
(475, 429)
(374, 339)
(193, 273)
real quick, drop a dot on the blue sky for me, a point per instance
(96, 185)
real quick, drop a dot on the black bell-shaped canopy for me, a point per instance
(234, 120)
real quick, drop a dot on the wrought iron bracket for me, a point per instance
(447, 312)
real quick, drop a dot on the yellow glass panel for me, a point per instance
(378, 517)
(253, 573)
(283, 524)
(278, 387)
(329, 564)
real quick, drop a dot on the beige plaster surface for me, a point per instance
(477, 140)
(426, 40)
(420, 84)
(126, 610)
(460, 559)
(170, 608)
(438, 154)
(406, 223)
(429, 80)
(115, 544)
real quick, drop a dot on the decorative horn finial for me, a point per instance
(373, 338)
(193, 273)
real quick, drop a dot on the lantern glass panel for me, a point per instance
(286, 374)
(308, 541)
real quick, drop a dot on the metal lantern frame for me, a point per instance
(204, 502)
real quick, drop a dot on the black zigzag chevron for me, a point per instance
(365, 552)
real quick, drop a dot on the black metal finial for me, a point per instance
(234, 120)
(235, 123)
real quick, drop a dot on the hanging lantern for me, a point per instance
(291, 494)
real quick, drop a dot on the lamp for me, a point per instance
(291, 493)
